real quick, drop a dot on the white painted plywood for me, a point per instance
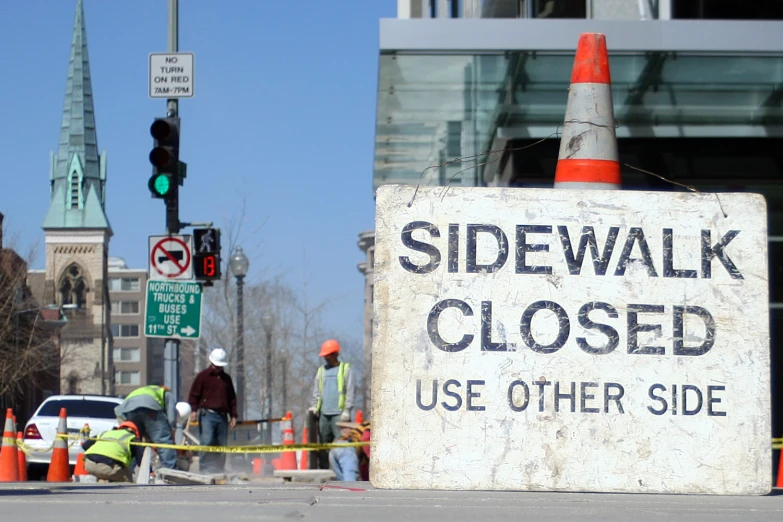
(693, 317)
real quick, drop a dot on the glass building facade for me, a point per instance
(474, 92)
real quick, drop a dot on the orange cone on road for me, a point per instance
(359, 417)
(288, 458)
(588, 148)
(58, 466)
(304, 455)
(9, 459)
(780, 470)
(79, 470)
(21, 458)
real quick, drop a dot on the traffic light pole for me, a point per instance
(171, 349)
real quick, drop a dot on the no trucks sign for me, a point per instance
(565, 340)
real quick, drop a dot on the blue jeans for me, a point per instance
(212, 431)
(345, 463)
(327, 432)
(155, 426)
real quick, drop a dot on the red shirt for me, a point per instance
(213, 390)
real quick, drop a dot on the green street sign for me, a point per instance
(173, 309)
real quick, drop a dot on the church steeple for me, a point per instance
(78, 172)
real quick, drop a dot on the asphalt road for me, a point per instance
(346, 501)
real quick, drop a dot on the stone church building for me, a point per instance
(77, 234)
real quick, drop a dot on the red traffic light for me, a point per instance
(162, 129)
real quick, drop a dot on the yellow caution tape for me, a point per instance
(267, 448)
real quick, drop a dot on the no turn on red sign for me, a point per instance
(171, 257)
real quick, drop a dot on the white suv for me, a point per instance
(40, 431)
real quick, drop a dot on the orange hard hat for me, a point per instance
(329, 347)
(129, 424)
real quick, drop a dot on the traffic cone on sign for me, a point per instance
(21, 459)
(58, 466)
(588, 147)
(288, 458)
(9, 459)
(359, 417)
(304, 455)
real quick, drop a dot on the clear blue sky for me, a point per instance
(284, 115)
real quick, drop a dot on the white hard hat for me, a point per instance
(218, 357)
(183, 410)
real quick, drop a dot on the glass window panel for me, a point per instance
(127, 354)
(128, 378)
(431, 106)
(125, 330)
(130, 284)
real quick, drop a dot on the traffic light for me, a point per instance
(206, 254)
(165, 159)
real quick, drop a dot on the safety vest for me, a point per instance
(114, 444)
(157, 392)
(343, 369)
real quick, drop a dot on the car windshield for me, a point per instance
(79, 408)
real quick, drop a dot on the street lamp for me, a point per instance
(239, 264)
(268, 322)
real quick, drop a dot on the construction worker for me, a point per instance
(333, 394)
(112, 457)
(153, 410)
(214, 404)
(348, 462)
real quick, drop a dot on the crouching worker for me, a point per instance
(345, 462)
(112, 457)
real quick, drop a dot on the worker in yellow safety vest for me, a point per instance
(111, 457)
(152, 409)
(333, 394)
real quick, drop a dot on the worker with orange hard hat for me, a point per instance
(334, 389)
(112, 457)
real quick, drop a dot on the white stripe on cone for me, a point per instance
(588, 131)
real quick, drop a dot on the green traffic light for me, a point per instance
(161, 185)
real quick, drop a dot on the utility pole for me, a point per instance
(171, 348)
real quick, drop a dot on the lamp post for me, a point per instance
(239, 265)
(268, 322)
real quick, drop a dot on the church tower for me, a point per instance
(77, 234)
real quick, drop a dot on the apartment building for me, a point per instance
(138, 360)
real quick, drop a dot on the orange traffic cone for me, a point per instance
(21, 458)
(288, 458)
(79, 470)
(58, 466)
(9, 460)
(304, 455)
(588, 148)
(359, 417)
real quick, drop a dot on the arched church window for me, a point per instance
(73, 289)
(72, 383)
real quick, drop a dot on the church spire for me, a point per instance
(78, 172)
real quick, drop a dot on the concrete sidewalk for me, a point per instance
(340, 500)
